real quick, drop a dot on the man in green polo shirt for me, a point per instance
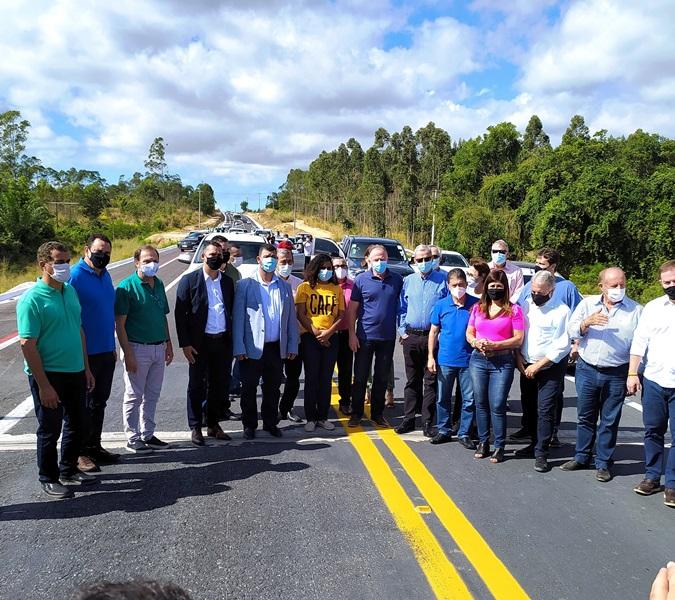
(143, 333)
(49, 322)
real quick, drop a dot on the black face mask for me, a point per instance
(540, 299)
(670, 292)
(100, 260)
(496, 293)
(214, 262)
(226, 257)
(537, 268)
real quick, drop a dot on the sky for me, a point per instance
(243, 91)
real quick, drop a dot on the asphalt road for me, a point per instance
(326, 516)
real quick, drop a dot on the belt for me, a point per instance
(417, 331)
(215, 336)
(605, 369)
(148, 343)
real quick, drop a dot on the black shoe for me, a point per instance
(407, 426)
(467, 442)
(441, 438)
(429, 430)
(497, 455)
(354, 421)
(380, 422)
(294, 417)
(482, 450)
(555, 442)
(345, 410)
(525, 451)
(78, 478)
(249, 433)
(103, 456)
(520, 435)
(273, 430)
(197, 437)
(228, 415)
(57, 490)
(540, 464)
(154, 442)
(603, 475)
(573, 465)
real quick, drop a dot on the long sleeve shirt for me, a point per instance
(545, 331)
(605, 345)
(418, 296)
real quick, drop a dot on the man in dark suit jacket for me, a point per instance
(204, 326)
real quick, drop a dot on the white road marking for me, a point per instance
(9, 342)
(15, 415)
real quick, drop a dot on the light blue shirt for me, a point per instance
(565, 291)
(605, 345)
(271, 301)
(418, 297)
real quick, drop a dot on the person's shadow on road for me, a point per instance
(203, 472)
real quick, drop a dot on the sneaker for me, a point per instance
(86, 465)
(310, 426)
(647, 487)
(380, 422)
(78, 478)
(354, 421)
(603, 475)
(573, 465)
(540, 464)
(57, 490)
(154, 442)
(669, 497)
(327, 425)
(138, 447)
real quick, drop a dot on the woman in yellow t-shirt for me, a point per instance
(320, 304)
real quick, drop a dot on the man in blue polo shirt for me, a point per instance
(449, 319)
(96, 293)
(420, 293)
(375, 304)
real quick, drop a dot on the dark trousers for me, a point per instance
(209, 379)
(70, 414)
(102, 367)
(541, 395)
(658, 405)
(419, 394)
(319, 362)
(270, 365)
(383, 351)
(292, 369)
(345, 365)
(527, 404)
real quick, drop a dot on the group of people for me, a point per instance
(466, 330)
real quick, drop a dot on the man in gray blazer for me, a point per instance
(265, 332)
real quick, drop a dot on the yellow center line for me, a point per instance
(494, 573)
(441, 574)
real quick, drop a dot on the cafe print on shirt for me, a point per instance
(322, 303)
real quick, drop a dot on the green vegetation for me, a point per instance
(598, 199)
(38, 203)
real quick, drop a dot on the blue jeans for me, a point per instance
(600, 393)
(492, 378)
(446, 381)
(658, 408)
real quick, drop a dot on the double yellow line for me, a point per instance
(445, 581)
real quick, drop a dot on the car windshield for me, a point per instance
(395, 252)
(249, 250)
(193, 234)
(452, 260)
(325, 247)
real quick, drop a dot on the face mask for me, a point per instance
(670, 292)
(496, 293)
(616, 294)
(237, 261)
(214, 262)
(379, 266)
(325, 274)
(285, 270)
(537, 268)
(540, 299)
(434, 263)
(471, 282)
(341, 272)
(61, 272)
(458, 292)
(149, 269)
(268, 264)
(425, 267)
(100, 260)
(499, 258)
(226, 257)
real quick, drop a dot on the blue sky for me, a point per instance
(244, 91)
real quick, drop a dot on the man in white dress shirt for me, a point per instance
(500, 253)
(654, 338)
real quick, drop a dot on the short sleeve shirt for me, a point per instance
(322, 303)
(497, 328)
(145, 307)
(378, 305)
(53, 318)
(452, 320)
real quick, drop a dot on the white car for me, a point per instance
(453, 260)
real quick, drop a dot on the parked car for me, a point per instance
(190, 241)
(248, 244)
(453, 260)
(354, 248)
(528, 270)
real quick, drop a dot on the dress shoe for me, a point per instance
(354, 421)
(228, 415)
(669, 497)
(540, 464)
(429, 430)
(603, 475)
(441, 438)
(573, 465)
(407, 426)
(520, 435)
(102, 456)
(217, 433)
(555, 442)
(380, 422)
(525, 451)
(56, 490)
(78, 478)
(87, 465)
(647, 487)
(249, 433)
(273, 430)
(345, 410)
(197, 437)
(467, 442)
(389, 399)
(294, 417)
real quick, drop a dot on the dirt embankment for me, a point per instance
(270, 221)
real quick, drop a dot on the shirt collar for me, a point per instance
(275, 279)
(86, 267)
(207, 276)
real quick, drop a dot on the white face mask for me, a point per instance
(237, 261)
(61, 272)
(285, 270)
(616, 294)
(340, 272)
(458, 292)
(150, 269)
(471, 281)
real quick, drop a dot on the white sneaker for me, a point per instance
(327, 425)
(310, 426)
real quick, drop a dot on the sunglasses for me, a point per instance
(421, 260)
(498, 251)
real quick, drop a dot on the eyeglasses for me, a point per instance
(498, 251)
(421, 260)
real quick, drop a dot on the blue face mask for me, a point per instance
(268, 264)
(285, 270)
(379, 266)
(326, 275)
(499, 258)
(425, 267)
(435, 262)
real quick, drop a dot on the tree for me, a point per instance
(244, 206)
(156, 162)
(13, 136)
(577, 131)
(535, 137)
